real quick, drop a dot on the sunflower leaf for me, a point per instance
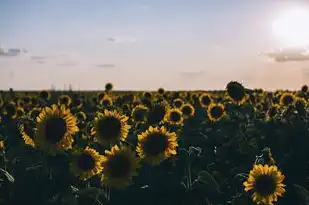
(302, 192)
(8, 175)
(207, 179)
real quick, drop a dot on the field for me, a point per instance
(235, 146)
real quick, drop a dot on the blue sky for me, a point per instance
(176, 44)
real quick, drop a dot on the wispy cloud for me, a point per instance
(121, 39)
(12, 51)
(289, 54)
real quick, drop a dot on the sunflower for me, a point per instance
(178, 103)
(304, 88)
(81, 116)
(161, 91)
(77, 102)
(26, 100)
(287, 99)
(44, 95)
(216, 111)
(147, 95)
(101, 95)
(120, 165)
(272, 112)
(64, 100)
(34, 112)
(106, 101)
(236, 92)
(27, 132)
(266, 183)
(10, 110)
(20, 112)
(157, 113)
(174, 117)
(55, 127)
(187, 110)
(1, 144)
(156, 144)
(109, 87)
(86, 163)
(205, 100)
(110, 126)
(139, 113)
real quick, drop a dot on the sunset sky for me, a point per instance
(145, 44)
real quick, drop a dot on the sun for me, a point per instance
(292, 27)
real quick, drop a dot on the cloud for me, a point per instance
(289, 54)
(105, 65)
(39, 57)
(12, 51)
(118, 39)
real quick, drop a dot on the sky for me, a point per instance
(144, 44)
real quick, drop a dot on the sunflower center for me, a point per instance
(288, 99)
(206, 100)
(155, 144)
(64, 100)
(216, 112)
(139, 114)
(187, 110)
(109, 127)
(55, 128)
(85, 162)
(175, 116)
(157, 114)
(265, 185)
(119, 165)
(44, 95)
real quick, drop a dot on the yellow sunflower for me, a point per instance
(174, 117)
(139, 113)
(216, 111)
(287, 99)
(27, 131)
(86, 163)
(205, 100)
(77, 103)
(178, 103)
(55, 127)
(272, 112)
(106, 101)
(266, 184)
(64, 100)
(187, 110)
(81, 116)
(109, 127)
(34, 112)
(44, 95)
(120, 165)
(156, 144)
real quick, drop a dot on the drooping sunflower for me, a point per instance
(109, 87)
(120, 165)
(27, 131)
(287, 99)
(178, 103)
(55, 128)
(174, 117)
(157, 113)
(10, 110)
(205, 100)
(110, 127)
(156, 144)
(139, 113)
(44, 95)
(216, 111)
(266, 183)
(64, 100)
(187, 110)
(236, 92)
(86, 163)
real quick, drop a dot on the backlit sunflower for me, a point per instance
(287, 99)
(20, 112)
(81, 116)
(266, 184)
(120, 165)
(44, 95)
(101, 95)
(178, 103)
(174, 117)
(10, 110)
(272, 112)
(156, 144)
(55, 127)
(86, 163)
(139, 113)
(26, 129)
(109, 127)
(106, 101)
(157, 113)
(64, 100)
(216, 111)
(77, 102)
(187, 110)
(205, 100)
(34, 112)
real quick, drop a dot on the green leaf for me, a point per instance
(207, 179)
(8, 175)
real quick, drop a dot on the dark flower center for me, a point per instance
(55, 128)
(106, 102)
(175, 116)
(139, 114)
(85, 162)
(64, 100)
(178, 103)
(216, 112)
(265, 185)
(109, 127)
(156, 114)
(287, 99)
(119, 165)
(77, 102)
(206, 100)
(187, 110)
(155, 144)
(44, 95)
(26, 99)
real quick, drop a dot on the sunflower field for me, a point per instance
(237, 146)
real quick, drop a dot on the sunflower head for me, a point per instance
(20, 112)
(101, 95)
(106, 101)
(157, 113)
(55, 127)
(34, 112)
(44, 95)
(161, 91)
(110, 127)
(287, 99)
(147, 95)
(86, 163)
(174, 117)
(120, 165)
(178, 103)
(205, 100)
(156, 144)
(272, 112)
(34, 101)
(139, 113)
(64, 100)
(81, 116)
(265, 182)
(236, 91)
(304, 88)
(26, 129)
(187, 110)
(77, 103)
(300, 105)
(216, 111)
(10, 110)
(109, 87)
